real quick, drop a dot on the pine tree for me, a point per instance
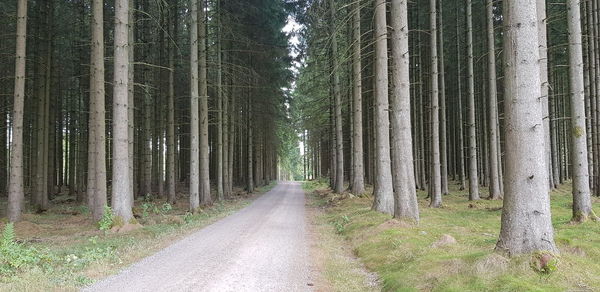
(121, 199)
(15, 184)
(526, 182)
(383, 190)
(406, 205)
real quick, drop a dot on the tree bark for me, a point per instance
(205, 197)
(582, 203)
(461, 135)
(41, 128)
(220, 116)
(526, 221)
(121, 198)
(95, 191)
(493, 103)
(435, 183)
(171, 194)
(543, 47)
(358, 177)
(442, 110)
(405, 192)
(383, 190)
(131, 98)
(473, 175)
(250, 153)
(15, 184)
(337, 105)
(194, 123)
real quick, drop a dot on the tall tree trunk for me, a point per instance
(383, 190)
(194, 123)
(96, 186)
(442, 110)
(596, 57)
(147, 143)
(461, 135)
(121, 198)
(588, 101)
(358, 177)
(131, 98)
(493, 102)
(226, 120)
(232, 122)
(436, 179)
(337, 105)
(582, 203)
(171, 195)
(40, 182)
(205, 197)
(15, 185)
(526, 220)
(543, 63)
(406, 205)
(473, 178)
(250, 143)
(220, 115)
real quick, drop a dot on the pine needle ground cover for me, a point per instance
(65, 251)
(426, 257)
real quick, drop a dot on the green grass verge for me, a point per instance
(76, 254)
(404, 257)
(339, 270)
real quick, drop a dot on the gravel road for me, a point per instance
(262, 247)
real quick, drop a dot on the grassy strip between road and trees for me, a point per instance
(452, 248)
(62, 249)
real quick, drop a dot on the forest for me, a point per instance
(460, 133)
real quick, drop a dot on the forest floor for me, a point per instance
(425, 258)
(65, 251)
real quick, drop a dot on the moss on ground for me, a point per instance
(404, 257)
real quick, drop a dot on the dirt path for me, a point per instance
(263, 247)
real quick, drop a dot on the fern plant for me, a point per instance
(13, 255)
(8, 235)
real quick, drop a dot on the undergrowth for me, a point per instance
(409, 257)
(15, 256)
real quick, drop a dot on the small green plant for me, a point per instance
(188, 217)
(96, 252)
(8, 235)
(166, 207)
(146, 208)
(149, 207)
(15, 256)
(340, 225)
(107, 219)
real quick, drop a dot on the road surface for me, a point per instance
(262, 247)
